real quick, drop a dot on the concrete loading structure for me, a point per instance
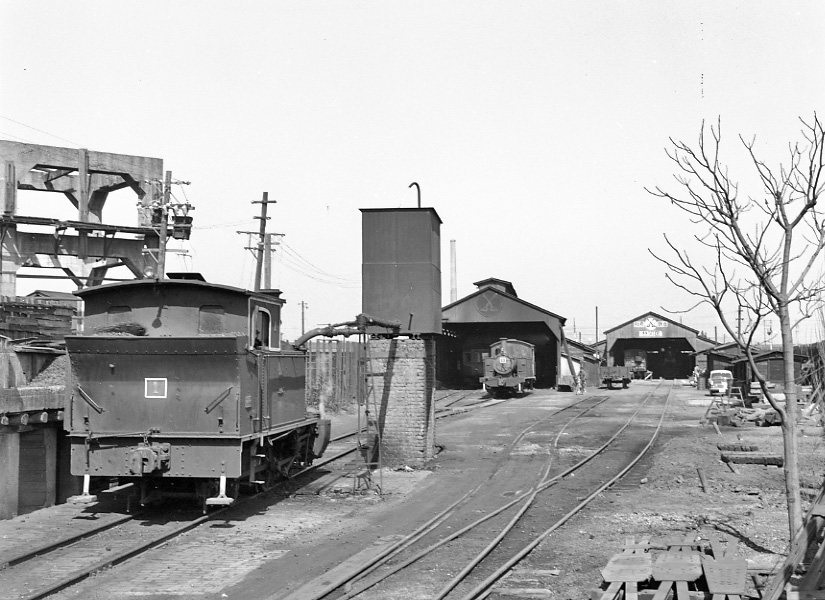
(33, 470)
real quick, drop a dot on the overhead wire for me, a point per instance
(41, 131)
(3, 133)
(339, 284)
(292, 257)
(222, 225)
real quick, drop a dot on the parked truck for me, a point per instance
(615, 376)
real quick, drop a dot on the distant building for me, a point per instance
(656, 344)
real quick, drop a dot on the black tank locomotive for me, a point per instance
(181, 387)
(510, 368)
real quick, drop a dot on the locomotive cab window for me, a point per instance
(262, 329)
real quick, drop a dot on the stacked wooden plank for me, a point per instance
(748, 454)
(625, 571)
(686, 565)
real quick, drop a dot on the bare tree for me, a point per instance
(760, 256)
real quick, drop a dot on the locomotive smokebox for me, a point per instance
(401, 267)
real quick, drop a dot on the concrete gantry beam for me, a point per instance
(86, 178)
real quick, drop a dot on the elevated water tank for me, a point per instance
(401, 267)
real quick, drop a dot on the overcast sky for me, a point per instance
(531, 127)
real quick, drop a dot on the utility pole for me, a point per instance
(597, 324)
(164, 211)
(261, 239)
(263, 249)
(739, 323)
(304, 306)
(267, 282)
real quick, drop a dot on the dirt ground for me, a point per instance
(663, 497)
(290, 532)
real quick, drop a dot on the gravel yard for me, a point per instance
(663, 497)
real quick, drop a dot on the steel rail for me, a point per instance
(405, 542)
(125, 555)
(530, 494)
(544, 484)
(459, 399)
(422, 530)
(120, 557)
(485, 586)
(64, 541)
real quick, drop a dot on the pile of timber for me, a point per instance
(675, 568)
(743, 417)
(748, 454)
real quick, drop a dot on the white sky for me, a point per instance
(532, 127)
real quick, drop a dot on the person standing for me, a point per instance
(581, 381)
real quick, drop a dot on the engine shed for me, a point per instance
(655, 346)
(494, 311)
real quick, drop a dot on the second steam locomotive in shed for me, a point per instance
(510, 368)
(181, 386)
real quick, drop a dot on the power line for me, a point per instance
(354, 285)
(27, 141)
(223, 225)
(41, 131)
(290, 256)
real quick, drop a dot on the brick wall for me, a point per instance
(401, 383)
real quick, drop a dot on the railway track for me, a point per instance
(491, 545)
(56, 564)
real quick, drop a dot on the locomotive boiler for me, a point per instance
(179, 386)
(510, 368)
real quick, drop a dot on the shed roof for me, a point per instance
(649, 315)
(53, 295)
(661, 326)
(769, 355)
(490, 304)
(504, 286)
(728, 350)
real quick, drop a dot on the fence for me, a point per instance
(334, 373)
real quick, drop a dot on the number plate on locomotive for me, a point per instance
(155, 387)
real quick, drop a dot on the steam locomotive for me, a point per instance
(510, 368)
(178, 386)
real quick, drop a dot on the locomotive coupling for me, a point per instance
(149, 458)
